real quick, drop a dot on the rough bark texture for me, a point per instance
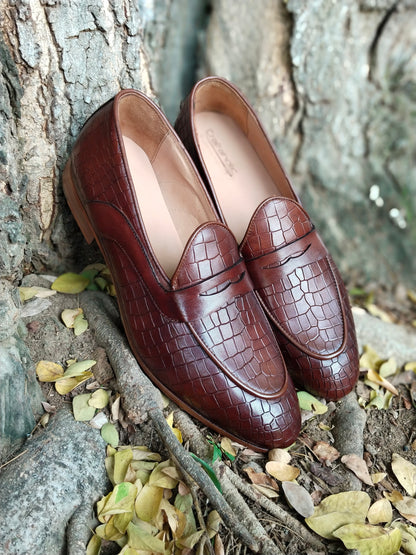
(334, 84)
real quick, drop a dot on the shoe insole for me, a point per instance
(167, 220)
(237, 174)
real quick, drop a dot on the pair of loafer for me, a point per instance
(222, 281)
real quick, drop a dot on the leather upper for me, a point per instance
(201, 335)
(293, 274)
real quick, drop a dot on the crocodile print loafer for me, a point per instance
(294, 275)
(187, 303)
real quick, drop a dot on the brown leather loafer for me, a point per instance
(292, 271)
(187, 302)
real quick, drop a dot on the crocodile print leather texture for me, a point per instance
(201, 335)
(294, 276)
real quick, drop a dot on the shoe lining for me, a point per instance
(238, 176)
(161, 193)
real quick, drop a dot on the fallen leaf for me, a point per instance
(65, 385)
(405, 473)
(309, 402)
(35, 307)
(176, 431)
(94, 545)
(148, 502)
(70, 283)
(370, 540)
(410, 366)
(81, 409)
(281, 471)
(27, 293)
(138, 539)
(280, 455)
(407, 508)
(374, 310)
(218, 546)
(115, 408)
(99, 399)
(380, 511)
(213, 523)
(298, 498)
(388, 368)
(68, 316)
(338, 510)
(328, 476)
(267, 491)
(48, 407)
(408, 536)
(375, 377)
(357, 465)
(80, 324)
(378, 477)
(120, 500)
(176, 519)
(325, 452)
(393, 496)
(109, 434)
(48, 371)
(78, 368)
(370, 358)
(411, 295)
(122, 460)
(261, 478)
(228, 448)
(160, 478)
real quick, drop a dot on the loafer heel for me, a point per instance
(75, 204)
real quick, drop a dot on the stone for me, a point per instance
(20, 395)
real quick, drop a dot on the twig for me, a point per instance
(141, 400)
(13, 459)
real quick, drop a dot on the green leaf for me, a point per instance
(82, 410)
(109, 434)
(78, 368)
(80, 324)
(370, 540)
(148, 502)
(209, 470)
(70, 283)
(309, 402)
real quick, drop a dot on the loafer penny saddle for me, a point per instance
(185, 295)
(294, 276)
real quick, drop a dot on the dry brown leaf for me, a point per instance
(357, 465)
(407, 508)
(281, 471)
(393, 496)
(325, 452)
(298, 498)
(374, 377)
(261, 478)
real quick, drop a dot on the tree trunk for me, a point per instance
(334, 84)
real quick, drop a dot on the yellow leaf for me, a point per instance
(48, 371)
(338, 510)
(227, 446)
(407, 508)
(162, 479)
(142, 540)
(68, 316)
(309, 402)
(110, 531)
(408, 537)
(99, 399)
(121, 521)
(213, 523)
(281, 471)
(405, 472)
(370, 540)
(120, 500)
(380, 511)
(410, 366)
(94, 545)
(370, 358)
(176, 431)
(176, 519)
(388, 368)
(378, 477)
(70, 283)
(148, 502)
(122, 461)
(65, 385)
(375, 377)
(411, 295)
(27, 293)
(379, 313)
